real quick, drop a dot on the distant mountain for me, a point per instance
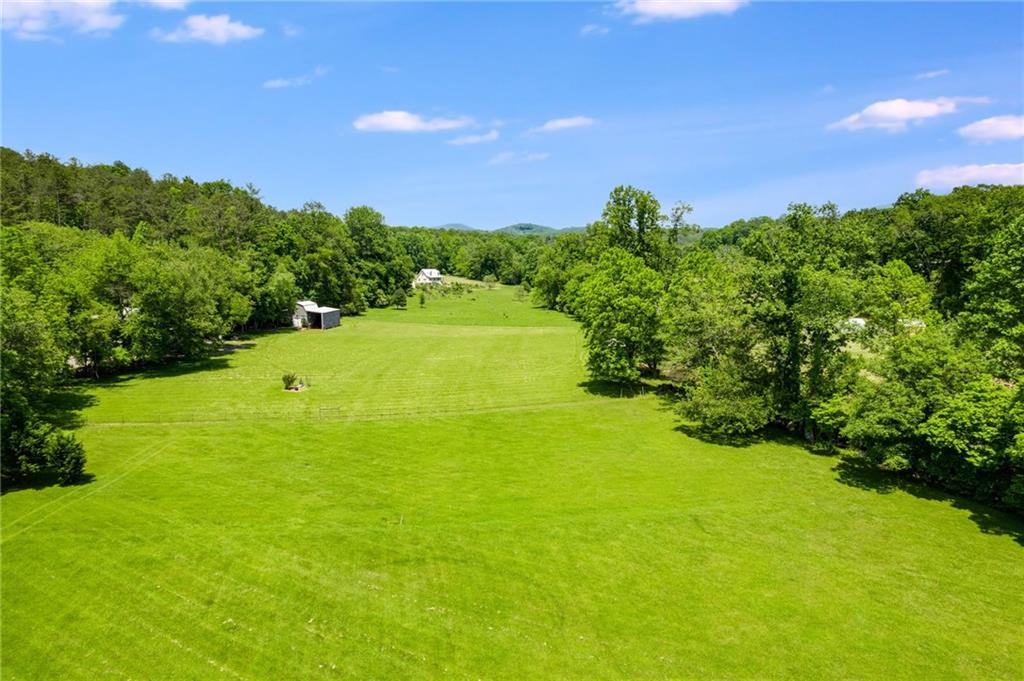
(527, 229)
(518, 229)
(456, 225)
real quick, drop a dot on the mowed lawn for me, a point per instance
(448, 499)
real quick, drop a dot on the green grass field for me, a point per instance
(448, 499)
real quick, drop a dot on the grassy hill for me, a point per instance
(451, 498)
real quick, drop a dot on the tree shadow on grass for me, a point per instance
(766, 436)
(254, 334)
(218, 360)
(64, 407)
(44, 480)
(697, 432)
(857, 472)
(179, 367)
(62, 410)
(612, 389)
(232, 348)
(185, 366)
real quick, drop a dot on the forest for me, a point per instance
(897, 332)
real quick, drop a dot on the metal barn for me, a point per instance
(312, 316)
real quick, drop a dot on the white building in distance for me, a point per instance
(427, 277)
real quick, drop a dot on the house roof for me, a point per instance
(430, 273)
(321, 310)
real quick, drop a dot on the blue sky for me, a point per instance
(735, 108)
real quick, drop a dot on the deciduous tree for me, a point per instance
(619, 312)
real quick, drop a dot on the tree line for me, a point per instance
(897, 331)
(106, 268)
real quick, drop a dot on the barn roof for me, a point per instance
(321, 310)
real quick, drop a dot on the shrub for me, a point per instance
(66, 457)
(290, 380)
(726, 402)
(34, 447)
(25, 447)
(398, 298)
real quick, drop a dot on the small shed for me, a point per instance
(310, 315)
(427, 277)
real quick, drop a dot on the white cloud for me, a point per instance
(557, 124)
(291, 30)
(278, 83)
(518, 157)
(475, 139)
(216, 30)
(828, 89)
(893, 115)
(955, 176)
(167, 4)
(389, 69)
(594, 29)
(35, 20)
(994, 129)
(927, 75)
(646, 11)
(403, 121)
(295, 81)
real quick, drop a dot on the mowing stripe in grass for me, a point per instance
(71, 497)
(466, 507)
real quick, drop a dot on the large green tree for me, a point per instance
(635, 223)
(801, 298)
(706, 311)
(184, 304)
(31, 366)
(382, 262)
(935, 411)
(712, 345)
(619, 312)
(995, 300)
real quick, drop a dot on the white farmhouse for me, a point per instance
(427, 277)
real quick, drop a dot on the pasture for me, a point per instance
(449, 498)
